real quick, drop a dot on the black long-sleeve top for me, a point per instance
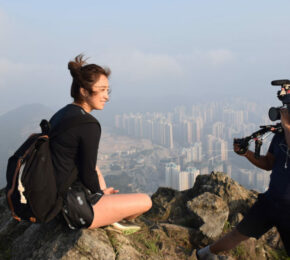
(76, 148)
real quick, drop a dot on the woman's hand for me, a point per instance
(110, 190)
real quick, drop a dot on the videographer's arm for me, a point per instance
(264, 162)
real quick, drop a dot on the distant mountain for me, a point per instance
(15, 126)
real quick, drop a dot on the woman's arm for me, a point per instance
(103, 185)
(87, 156)
(102, 182)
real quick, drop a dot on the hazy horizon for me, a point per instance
(185, 50)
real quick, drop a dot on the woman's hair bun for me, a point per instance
(76, 65)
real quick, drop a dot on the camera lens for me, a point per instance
(274, 113)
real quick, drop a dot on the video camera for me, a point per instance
(274, 114)
(283, 95)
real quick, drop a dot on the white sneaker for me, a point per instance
(126, 228)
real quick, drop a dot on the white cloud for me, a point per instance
(19, 74)
(220, 57)
(206, 58)
(138, 66)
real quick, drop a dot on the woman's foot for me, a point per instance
(126, 227)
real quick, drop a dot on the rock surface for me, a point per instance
(212, 213)
(177, 225)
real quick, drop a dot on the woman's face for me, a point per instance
(99, 95)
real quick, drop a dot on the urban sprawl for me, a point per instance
(202, 135)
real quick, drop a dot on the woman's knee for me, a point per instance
(147, 202)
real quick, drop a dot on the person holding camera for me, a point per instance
(272, 208)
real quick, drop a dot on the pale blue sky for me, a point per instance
(154, 48)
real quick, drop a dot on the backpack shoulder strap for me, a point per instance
(66, 124)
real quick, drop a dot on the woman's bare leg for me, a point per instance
(113, 208)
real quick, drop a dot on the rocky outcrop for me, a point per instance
(177, 224)
(210, 213)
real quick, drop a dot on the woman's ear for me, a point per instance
(84, 92)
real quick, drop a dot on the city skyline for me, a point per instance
(202, 137)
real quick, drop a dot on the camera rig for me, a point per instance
(258, 137)
(274, 114)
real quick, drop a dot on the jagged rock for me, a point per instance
(124, 248)
(168, 205)
(236, 196)
(54, 241)
(177, 225)
(210, 213)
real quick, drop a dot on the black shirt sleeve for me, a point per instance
(271, 147)
(88, 150)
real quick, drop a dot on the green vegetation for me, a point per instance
(115, 243)
(146, 244)
(152, 246)
(240, 251)
(227, 227)
(279, 254)
(129, 232)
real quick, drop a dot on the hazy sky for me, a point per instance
(154, 48)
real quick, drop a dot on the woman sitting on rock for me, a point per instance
(88, 203)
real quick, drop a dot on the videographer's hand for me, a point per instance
(110, 190)
(238, 150)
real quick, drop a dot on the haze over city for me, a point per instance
(162, 55)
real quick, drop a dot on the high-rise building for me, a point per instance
(224, 150)
(210, 145)
(182, 181)
(193, 173)
(199, 127)
(171, 170)
(118, 123)
(188, 132)
(218, 130)
(168, 135)
(193, 153)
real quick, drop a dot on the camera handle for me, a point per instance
(258, 137)
(258, 144)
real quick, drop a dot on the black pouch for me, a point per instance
(77, 206)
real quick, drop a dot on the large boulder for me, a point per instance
(210, 212)
(238, 198)
(168, 206)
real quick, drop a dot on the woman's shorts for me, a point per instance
(77, 207)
